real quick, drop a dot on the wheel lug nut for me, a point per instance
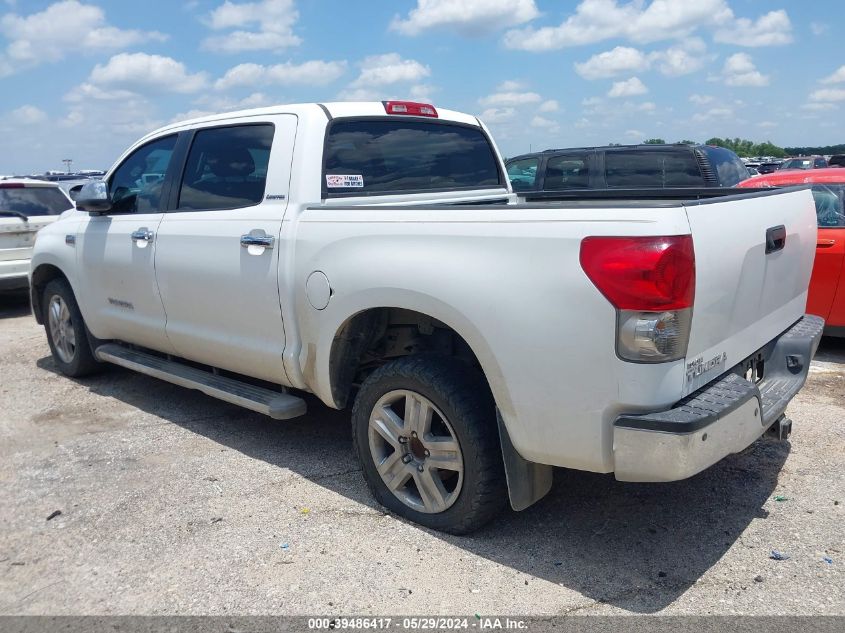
(406, 459)
(427, 453)
(403, 439)
(420, 468)
(413, 434)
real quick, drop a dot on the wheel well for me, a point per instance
(41, 276)
(376, 336)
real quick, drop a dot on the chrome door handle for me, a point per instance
(264, 241)
(142, 235)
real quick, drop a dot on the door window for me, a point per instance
(135, 187)
(523, 173)
(569, 171)
(631, 169)
(829, 206)
(226, 168)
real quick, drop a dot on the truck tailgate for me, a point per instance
(744, 296)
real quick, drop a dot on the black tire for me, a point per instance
(81, 362)
(462, 395)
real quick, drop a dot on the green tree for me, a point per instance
(654, 141)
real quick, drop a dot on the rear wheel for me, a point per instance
(66, 331)
(425, 431)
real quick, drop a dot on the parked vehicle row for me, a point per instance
(374, 253)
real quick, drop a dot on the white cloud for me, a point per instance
(739, 70)
(819, 107)
(510, 99)
(598, 20)
(62, 28)
(391, 68)
(140, 71)
(819, 28)
(591, 102)
(647, 106)
(510, 86)
(380, 73)
(771, 29)
(713, 113)
(550, 105)
(314, 73)
(498, 115)
(252, 26)
(837, 77)
(469, 17)
(682, 59)
(543, 122)
(767, 124)
(698, 99)
(628, 88)
(634, 134)
(620, 60)
(28, 115)
(828, 95)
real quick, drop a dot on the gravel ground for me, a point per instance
(175, 503)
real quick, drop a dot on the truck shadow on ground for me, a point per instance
(634, 546)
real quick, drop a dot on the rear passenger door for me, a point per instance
(218, 248)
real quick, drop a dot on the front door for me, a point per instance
(119, 296)
(218, 251)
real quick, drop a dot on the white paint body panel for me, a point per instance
(506, 278)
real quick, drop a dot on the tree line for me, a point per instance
(744, 147)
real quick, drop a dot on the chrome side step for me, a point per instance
(278, 405)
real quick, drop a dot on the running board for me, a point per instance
(279, 406)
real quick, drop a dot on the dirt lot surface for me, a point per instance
(172, 502)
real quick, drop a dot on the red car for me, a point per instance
(827, 285)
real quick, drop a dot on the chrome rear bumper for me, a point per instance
(724, 417)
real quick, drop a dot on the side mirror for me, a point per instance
(94, 198)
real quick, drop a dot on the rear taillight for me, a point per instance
(11, 185)
(411, 108)
(651, 283)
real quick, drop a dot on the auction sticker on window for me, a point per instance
(338, 180)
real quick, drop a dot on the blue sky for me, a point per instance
(82, 79)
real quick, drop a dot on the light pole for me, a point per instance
(68, 162)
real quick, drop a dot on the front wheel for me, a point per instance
(66, 331)
(424, 428)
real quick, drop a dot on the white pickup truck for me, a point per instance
(374, 254)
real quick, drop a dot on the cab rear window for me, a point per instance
(364, 157)
(34, 200)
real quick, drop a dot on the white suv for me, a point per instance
(26, 206)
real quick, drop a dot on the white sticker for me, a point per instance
(336, 180)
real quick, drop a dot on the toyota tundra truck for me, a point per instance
(375, 255)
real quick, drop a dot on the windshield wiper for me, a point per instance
(18, 214)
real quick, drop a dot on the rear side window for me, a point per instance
(569, 171)
(730, 169)
(829, 205)
(523, 173)
(631, 169)
(226, 168)
(34, 200)
(393, 156)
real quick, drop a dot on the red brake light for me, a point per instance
(11, 185)
(411, 108)
(642, 273)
